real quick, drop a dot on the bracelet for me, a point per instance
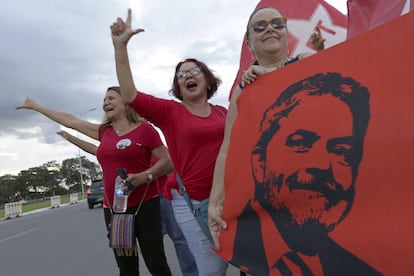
(241, 86)
(150, 177)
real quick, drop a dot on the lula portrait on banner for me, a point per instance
(307, 200)
(321, 180)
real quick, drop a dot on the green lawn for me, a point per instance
(40, 204)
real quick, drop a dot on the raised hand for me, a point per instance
(28, 104)
(122, 32)
(317, 40)
(65, 135)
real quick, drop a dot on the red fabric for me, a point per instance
(134, 158)
(364, 15)
(378, 228)
(301, 23)
(193, 141)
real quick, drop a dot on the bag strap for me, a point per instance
(184, 192)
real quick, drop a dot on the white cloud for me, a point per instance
(60, 53)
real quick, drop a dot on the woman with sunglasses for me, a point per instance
(267, 39)
(193, 129)
(126, 140)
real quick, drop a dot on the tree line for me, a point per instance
(49, 179)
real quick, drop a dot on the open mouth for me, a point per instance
(191, 85)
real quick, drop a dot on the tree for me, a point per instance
(43, 179)
(47, 179)
(7, 187)
(71, 172)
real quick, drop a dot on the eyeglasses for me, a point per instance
(185, 73)
(277, 23)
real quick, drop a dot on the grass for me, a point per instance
(40, 204)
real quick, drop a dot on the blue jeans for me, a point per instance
(208, 262)
(171, 228)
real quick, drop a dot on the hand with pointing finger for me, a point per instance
(122, 32)
(317, 40)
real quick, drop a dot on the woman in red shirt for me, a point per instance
(193, 129)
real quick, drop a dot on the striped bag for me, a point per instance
(122, 236)
(122, 231)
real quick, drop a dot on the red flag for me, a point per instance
(377, 230)
(364, 15)
(303, 16)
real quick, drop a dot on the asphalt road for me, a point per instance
(65, 241)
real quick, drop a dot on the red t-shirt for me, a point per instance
(132, 151)
(193, 141)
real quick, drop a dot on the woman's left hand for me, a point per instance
(317, 41)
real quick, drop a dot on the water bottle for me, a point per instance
(120, 198)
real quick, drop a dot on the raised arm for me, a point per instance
(217, 193)
(63, 118)
(121, 34)
(82, 144)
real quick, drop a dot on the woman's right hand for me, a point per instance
(122, 32)
(215, 222)
(28, 104)
(254, 71)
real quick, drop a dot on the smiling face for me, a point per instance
(192, 82)
(308, 177)
(270, 40)
(113, 105)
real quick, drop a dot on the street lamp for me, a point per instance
(79, 154)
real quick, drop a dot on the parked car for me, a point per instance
(95, 193)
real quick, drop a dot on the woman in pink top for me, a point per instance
(193, 129)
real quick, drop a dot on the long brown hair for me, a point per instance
(131, 115)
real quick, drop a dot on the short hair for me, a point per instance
(213, 82)
(345, 89)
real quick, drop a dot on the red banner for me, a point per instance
(318, 172)
(364, 15)
(301, 24)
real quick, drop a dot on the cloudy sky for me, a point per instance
(60, 53)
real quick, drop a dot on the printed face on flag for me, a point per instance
(321, 174)
(311, 164)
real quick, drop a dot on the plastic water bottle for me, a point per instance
(120, 198)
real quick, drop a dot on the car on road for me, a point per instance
(95, 193)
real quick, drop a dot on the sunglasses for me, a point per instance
(276, 23)
(186, 73)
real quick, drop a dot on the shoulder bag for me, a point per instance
(200, 211)
(122, 230)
